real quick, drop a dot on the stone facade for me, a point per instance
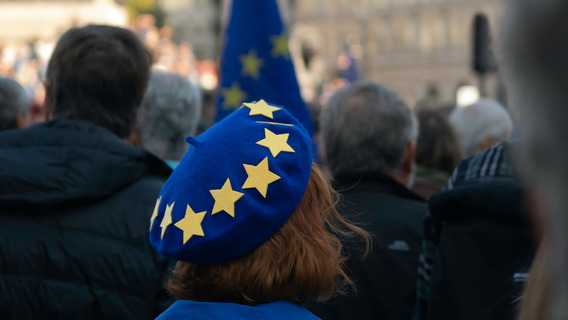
(420, 48)
(26, 20)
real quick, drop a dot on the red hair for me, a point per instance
(302, 261)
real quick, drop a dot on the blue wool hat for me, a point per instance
(236, 186)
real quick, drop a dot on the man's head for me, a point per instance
(98, 74)
(481, 125)
(172, 110)
(367, 128)
(14, 105)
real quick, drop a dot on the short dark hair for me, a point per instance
(98, 74)
(438, 145)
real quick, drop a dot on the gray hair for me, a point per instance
(171, 112)
(13, 100)
(475, 122)
(365, 127)
(535, 65)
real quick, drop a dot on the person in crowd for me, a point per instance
(536, 70)
(438, 152)
(252, 222)
(75, 198)
(477, 244)
(481, 125)
(369, 141)
(171, 112)
(535, 300)
(14, 105)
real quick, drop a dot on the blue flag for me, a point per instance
(256, 62)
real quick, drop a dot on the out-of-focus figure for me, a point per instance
(481, 125)
(75, 199)
(536, 298)
(536, 69)
(477, 245)
(369, 141)
(438, 152)
(15, 104)
(171, 112)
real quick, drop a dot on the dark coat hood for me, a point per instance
(62, 160)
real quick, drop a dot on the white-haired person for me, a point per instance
(15, 104)
(481, 125)
(171, 112)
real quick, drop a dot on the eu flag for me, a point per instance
(256, 62)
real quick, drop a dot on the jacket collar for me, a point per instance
(373, 182)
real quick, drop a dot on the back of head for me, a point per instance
(365, 128)
(14, 100)
(438, 145)
(98, 74)
(477, 122)
(172, 110)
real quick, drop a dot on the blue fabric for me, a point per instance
(284, 310)
(253, 25)
(217, 155)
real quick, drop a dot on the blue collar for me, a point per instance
(279, 310)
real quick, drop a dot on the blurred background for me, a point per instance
(435, 53)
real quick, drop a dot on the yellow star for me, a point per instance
(167, 219)
(280, 46)
(191, 224)
(259, 177)
(262, 108)
(275, 142)
(251, 64)
(225, 199)
(233, 96)
(155, 214)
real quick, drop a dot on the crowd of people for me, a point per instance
(116, 201)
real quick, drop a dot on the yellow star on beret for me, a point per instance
(261, 108)
(167, 219)
(155, 214)
(275, 142)
(191, 224)
(225, 199)
(259, 177)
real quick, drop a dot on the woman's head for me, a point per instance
(302, 261)
(250, 216)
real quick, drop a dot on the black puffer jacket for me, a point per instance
(75, 202)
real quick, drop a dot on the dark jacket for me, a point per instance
(75, 202)
(386, 279)
(477, 248)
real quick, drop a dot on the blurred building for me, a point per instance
(196, 22)
(420, 48)
(202, 22)
(27, 20)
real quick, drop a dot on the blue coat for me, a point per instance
(186, 310)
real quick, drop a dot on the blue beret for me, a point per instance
(236, 186)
